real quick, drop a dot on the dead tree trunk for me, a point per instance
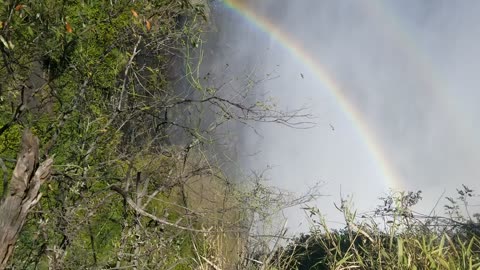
(22, 195)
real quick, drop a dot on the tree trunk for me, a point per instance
(23, 194)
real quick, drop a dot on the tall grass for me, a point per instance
(392, 237)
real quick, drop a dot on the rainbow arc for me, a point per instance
(295, 48)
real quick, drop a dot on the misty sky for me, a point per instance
(411, 68)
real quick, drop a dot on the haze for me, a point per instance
(410, 70)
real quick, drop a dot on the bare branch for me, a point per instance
(153, 217)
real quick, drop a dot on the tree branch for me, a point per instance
(23, 194)
(153, 217)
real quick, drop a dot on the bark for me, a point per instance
(23, 194)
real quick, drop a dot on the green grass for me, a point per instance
(392, 238)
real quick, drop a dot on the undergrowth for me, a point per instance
(392, 237)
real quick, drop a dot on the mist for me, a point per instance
(410, 70)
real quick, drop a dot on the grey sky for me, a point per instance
(409, 67)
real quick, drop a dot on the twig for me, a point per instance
(211, 263)
(127, 68)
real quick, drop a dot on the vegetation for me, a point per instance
(118, 165)
(393, 237)
(111, 90)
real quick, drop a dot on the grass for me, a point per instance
(394, 237)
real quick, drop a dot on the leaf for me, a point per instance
(30, 31)
(68, 28)
(149, 25)
(19, 7)
(2, 39)
(400, 251)
(134, 13)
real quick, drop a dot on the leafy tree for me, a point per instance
(112, 91)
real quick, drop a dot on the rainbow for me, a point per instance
(391, 178)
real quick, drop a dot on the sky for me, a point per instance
(393, 86)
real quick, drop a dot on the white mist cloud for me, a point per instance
(411, 69)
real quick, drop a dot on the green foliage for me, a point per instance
(90, 79)
(405, 242)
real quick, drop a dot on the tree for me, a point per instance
(22, 194)
(98, 82)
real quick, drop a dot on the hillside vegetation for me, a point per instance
(125, 133)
